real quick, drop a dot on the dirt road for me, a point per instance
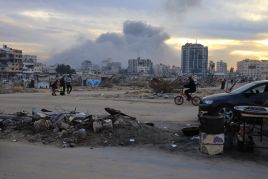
(30, 161)
(20, 160)
(143, 109)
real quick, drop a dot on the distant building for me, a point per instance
(40, 68)
(110, 68)
(140, 66)
(162, 70)
(221, 67)
(42, 81)
(194, 58)
(10, 62)
(52, 69)
(253, 69)
(86, 66)
(175, 70)
(211, 67)
(96, 69)
(29, 63)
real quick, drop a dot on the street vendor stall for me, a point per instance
(253, 115)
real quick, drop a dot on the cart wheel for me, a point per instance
(178, 100)
(196, 100)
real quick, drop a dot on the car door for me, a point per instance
(258, 95)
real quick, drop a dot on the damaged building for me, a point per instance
(41, 81)
(17, 67)
(29, 63)
(140, 66)
(11, 63)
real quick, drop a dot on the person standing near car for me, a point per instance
(192, 88)
(69, 84)
(223, 81)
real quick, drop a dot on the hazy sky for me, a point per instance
(123, 29)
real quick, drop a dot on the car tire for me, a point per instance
(227, 112)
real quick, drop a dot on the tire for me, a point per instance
(178, 100)
(227, 112)
(211, 124)
(196, 100)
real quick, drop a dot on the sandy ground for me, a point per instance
(21, 160)
(143, 109)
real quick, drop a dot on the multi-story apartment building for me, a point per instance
(29, 63)
(40, 68)
(10, 62)
(86, 66)
(111, 68)
(140, 66)
(253, 69)
(221, 67)
(194, 58)
(162, 70)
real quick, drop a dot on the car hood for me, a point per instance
(218, 96)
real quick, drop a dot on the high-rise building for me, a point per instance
(194, 58)
(136, 66)
(221, 67)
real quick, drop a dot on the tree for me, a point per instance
(64, 69)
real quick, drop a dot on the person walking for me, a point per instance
(223, 83)
(62, 86)
(54, 87)
(69, 84)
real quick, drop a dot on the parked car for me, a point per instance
(253, 94)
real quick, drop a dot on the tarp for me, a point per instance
(93, 82)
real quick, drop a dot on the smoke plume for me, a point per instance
(180, 7)
(138, 39)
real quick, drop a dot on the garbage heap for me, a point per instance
(162, 86)
(68, 129)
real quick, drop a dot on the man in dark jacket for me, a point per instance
(62, 86)
(192, 88)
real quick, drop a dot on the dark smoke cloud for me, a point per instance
(180, 7)
(137, 39)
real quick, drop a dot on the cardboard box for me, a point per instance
(211, 149)
(214, 139)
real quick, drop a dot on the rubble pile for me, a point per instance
(68, 129)
(7, 88)
(147, 94)
(160, 86)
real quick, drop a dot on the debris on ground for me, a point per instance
(160, 86)
(70, 129)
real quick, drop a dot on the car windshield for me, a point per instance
(242, 88)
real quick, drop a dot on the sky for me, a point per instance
(68, 31)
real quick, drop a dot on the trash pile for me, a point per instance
(160, 86)
(163, 86)
(69, 129)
